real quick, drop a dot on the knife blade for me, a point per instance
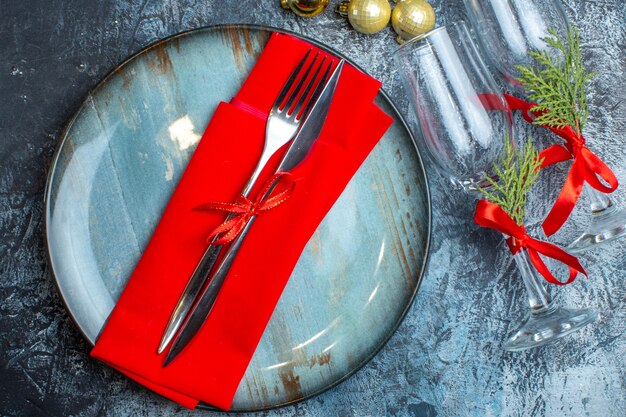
(296, 152)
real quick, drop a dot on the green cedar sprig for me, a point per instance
(559, 84)
(515, 176)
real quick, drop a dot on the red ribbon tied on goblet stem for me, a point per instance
(244, 208)
(491, 215)
(587, 167)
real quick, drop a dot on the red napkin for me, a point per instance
(211, 367)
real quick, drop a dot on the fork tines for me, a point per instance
(295, 99)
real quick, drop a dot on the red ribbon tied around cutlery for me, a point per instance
(491, 215)
(245, 208)
(587, 167)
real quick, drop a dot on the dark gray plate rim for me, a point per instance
(398, 116)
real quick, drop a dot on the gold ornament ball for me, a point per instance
(366, 16)
(411, 18)
(306, 8)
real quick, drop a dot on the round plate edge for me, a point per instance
(385, 96)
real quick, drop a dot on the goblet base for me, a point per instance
(548, 326)
(606, 225)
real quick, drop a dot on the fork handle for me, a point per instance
(202, 272)
(189, 294)
(209, 295)
(206, 300)
(218, 275)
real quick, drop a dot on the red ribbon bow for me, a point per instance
(587, 167)
(244, 208)
(494, 217)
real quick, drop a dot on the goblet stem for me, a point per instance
(538, 298)
(598, 201)
(547, 321)
(608, 222)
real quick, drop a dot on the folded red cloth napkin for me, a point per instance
(211, 367)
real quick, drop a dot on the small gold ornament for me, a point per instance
(411, 18)
(366, 16)
(306, 8)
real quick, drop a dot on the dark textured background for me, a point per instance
(446, 358)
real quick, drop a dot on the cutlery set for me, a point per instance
(297, 116)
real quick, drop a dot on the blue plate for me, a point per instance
(120, 159)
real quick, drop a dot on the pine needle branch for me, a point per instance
(516, 174)
(558, 82)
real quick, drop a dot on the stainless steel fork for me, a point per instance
(289, 110)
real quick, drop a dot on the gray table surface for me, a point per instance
(446, 359)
